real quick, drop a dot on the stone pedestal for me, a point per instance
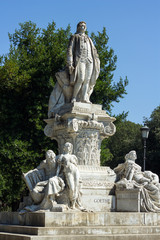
(128, 200)
(85, 126)
(97, 188)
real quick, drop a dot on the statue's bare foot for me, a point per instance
(73, 100)
(54, 203)
(86, 101)
(73, 208)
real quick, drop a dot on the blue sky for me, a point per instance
(133, 27)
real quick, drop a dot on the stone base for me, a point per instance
(80, 226)
(97, 188)
(97, 191)
(73, 219)
(128, 200)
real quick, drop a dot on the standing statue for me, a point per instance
(69, 163)
(83, 63)
(130, 176)
(76, 82)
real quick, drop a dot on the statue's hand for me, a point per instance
(71, 69)
(59, 161)
(42, 183)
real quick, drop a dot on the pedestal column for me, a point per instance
(83, 125)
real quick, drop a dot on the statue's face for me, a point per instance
(133, 155)
(50, 156)
(67, 148)
(81, 28)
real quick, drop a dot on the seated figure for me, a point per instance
(130, 176)
(43, 183)
(61, 94)
(55, 181)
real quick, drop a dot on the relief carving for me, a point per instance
(110, 129)
(88, 148)
(94, 184)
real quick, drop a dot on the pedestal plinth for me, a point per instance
(128, 200)
(97, 188)
(85, 126)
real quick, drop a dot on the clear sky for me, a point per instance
(133, 27)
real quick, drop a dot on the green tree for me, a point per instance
(126, 138)
(153, 142)
(27, 76)
(107, 91)
(26, 80)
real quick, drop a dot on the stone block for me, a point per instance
(128, 200)
(97, 188)
(71, 218)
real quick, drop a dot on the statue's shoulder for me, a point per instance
(73, 36)
(59, 157)
(74, 156)
(76, 36)
(72, 39)
(42, 164)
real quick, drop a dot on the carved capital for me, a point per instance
(72, 125)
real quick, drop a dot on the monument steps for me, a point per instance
(80, 219)
(12, 236)
(80, 225)
(84, 230)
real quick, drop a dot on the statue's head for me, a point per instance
(81, 27)
(50, 156)
(131, 156)
(68, 148)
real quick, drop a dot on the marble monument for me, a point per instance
(70, 195)
(136, 190)
(79, 126)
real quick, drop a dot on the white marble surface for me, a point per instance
(77, 81)
(131, 177)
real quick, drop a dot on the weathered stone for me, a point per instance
(85, 126)
(76, 82)
(128, 200)
(145, 186)
(46, 183)
(97, 188)
(89, 230)
(79, 225)
(71, 218)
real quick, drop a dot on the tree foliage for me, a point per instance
(126, 138)
(106, 91)
(153, 142)
(27, 76)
